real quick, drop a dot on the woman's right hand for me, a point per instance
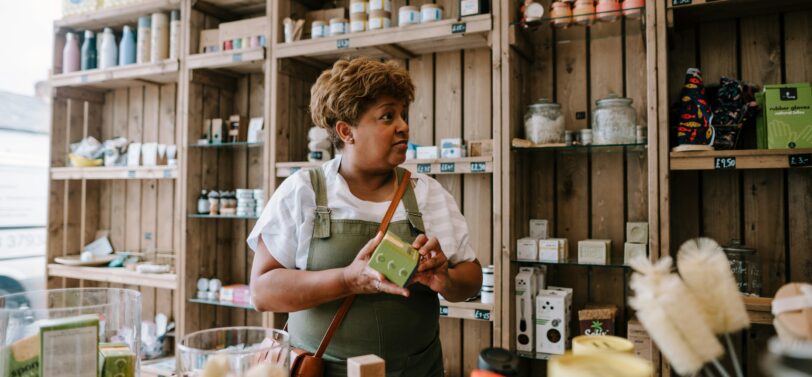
(360, 279)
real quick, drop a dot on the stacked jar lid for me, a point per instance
(487, 284)
(564, 13)
(248, 202)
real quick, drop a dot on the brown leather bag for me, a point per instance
(306, 364)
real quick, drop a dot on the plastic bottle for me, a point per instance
(160, 37)
(126, 49)
(109, 50)
(142, 46)
(70, 54)
(89, 51)
(174, 34)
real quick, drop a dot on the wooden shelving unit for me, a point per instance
(396, 42)
(466, 165)
(114, 276)
(249, 60)
(114, 173)
(473, 310)
(116, 16)
(741, 159)
(120, 77)
(221, 303)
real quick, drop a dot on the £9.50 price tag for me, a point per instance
(722, 163)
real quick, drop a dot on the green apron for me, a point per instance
(402, 331)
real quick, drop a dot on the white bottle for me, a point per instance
(160, 37)
(109, 50)
(143, 41)
(174, 34)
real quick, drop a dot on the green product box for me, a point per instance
(395, 259)
(788, 112)
(116, 360)
(69, 346)
(21, 358)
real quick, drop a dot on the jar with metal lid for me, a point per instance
(431, 12)
(408, 15)
(614, 121)
(487, 295)
(318, 29)
(379, 19)
(358, 22)
(746, 267)
(338, 26)
(487, 276)
(544, 123)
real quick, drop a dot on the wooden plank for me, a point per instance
(606, 62)
(635, 68)
(132, 237)
(115, 276)
(223, 251)
(149, 193)
(451, 337)
(681, 56)
(165, 223)
(764, 225)
(257, 173)
(637, 186)
(421, 113)
(721, 213)
(73, 196)
(718, 51)
(191, 251)
(800, 238)
(797, 51)
(685, 209)
(118, 191)
(56, 190)
(761, 49)
(571, 76)
(208, 229)
(105, 188)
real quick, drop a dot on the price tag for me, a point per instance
(83, 78)
(130, 173)
(343, 43)
(484, 315)
(444, 311)
(458, 28)
(800, 160)
(722, 163)
(446, 167)
(681, 2)
(236, 58)
(424, 168)
(167, 173)
(477, 167)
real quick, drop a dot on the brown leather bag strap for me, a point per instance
(345, 305)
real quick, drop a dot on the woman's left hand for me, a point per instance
(432, 270)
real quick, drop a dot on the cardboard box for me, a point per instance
(643, 346)
(597, 320)
(554, 250)
(539, 229)
(594, 251)
(69, 345)
(217, 131)
(116, 360)
(525, 294)
(209, 41)
(21, 358)
(453, 152)
(789, 115)
(632, 251)
(477, 148)
(395, 259)
(74, 7)
(428, 152)
(244, 28)
(553, 312)
(637, 232)
(366, 366)
(527, 248)
(236, 293)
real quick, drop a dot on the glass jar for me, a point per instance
(544, 123)
(583, 12)
(561, 14)
(614, 121)
(235, 351)
(746, 268)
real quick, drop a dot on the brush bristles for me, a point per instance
(705, 269)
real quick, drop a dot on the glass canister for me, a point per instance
(235, 351)
(614, 121)
(746, 267)
(544, 123)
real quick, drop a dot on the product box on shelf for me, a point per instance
(637, 232)
(75, 7)
(527, 248)
(539, 229)
(217, 131)
(21, 357)
(116, 360)
(236, 293)
(788, 113)
(210, 41)
(554, 250)
(594, 251)
(525, 293)
(428, 152)
(257, 26)
(597, 320)
(69, 345)
(478, 148)
(643, 346)
(553, 311)
(632, 251)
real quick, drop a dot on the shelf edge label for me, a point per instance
(444, 311)
(131, 173)
(478, 167)
(677, 3)
(446, 167)
(724, 163)
(799, 160)
(424, 168)
(236, 58)
(484, 315)
(459, 27)
(343, 43)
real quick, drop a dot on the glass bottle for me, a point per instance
(89, 51)
(126, 49)
(109, 50)
(614, 121)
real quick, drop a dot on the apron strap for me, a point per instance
(321, 220)
(410, 203)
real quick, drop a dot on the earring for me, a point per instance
(351, 141)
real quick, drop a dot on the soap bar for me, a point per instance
(637, 232)
(116, 360)
(395, 259)
(553, 250)
(633, 250)
(22, 358)
(539, 229)
(594, 251)
(527, 248)
(366, 366)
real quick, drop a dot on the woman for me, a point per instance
(316, 234)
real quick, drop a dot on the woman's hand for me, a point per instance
(432, 271)
(360, 279)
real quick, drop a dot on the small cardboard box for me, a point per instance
(69, 345)
(526, 289)
(643, 346)
(789, 115)
(217, 131)
(632, 251)
(395, 259)
(244, 28)
(527, 248)
(553, 311)
(597, 320)
(594, 251)
(637, 232)
(539, 229)
(209, 41)
(366, 366)
(553, 250)
(477, 148)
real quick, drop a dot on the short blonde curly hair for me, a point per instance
(346, 91)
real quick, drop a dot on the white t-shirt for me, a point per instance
(286, 223)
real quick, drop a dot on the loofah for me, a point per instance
(705, 269)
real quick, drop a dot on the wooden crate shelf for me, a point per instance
(221, 303)
(696, 11)
(230, 8)
(759, 309)
(396, 42)
(112, 173)
(744, 159)
(465, 165)
(117, 16)
(114, 275)
(238, 61)
(120, 77)
(475, 310)
(221, 217)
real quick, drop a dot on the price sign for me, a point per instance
(477, 167)
(800, 160)
(444, 311)
(722, 163)
(130, 173)
(681, 2)
(484, 315)
(424, 168)
(458, 28)
(343, 43)
(236, 58)
(446, 167)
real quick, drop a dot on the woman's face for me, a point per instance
(382, 135)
